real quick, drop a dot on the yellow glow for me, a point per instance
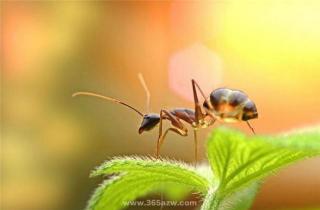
(262, 27)
(281, 36)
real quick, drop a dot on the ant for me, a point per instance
(223, 104)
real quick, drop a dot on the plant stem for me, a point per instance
(211, 201)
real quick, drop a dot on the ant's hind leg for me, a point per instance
(252, 129)
(197, 106)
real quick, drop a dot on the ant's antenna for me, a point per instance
(106, 98)
(145, 87)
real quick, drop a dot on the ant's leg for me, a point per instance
(161, 139)
(195, 146)
(180, 128)
(197, 106)
(175, 120)
(212, 121)
(252, 129)
(160, 134)
(194, 85)
(176, 130)
(195, 137)
(198, 113)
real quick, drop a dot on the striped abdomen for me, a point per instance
(232, 105)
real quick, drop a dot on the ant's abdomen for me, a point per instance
(228, 104)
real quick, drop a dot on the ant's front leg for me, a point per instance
(178, 128)
(161, 139)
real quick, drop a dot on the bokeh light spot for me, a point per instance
(195, 62)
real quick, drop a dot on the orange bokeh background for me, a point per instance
(269, 49)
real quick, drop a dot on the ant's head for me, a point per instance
(149, 121)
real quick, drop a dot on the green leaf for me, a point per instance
(238, 166)
(238, 161)
(135, 177)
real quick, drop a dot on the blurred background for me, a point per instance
(269, 49)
